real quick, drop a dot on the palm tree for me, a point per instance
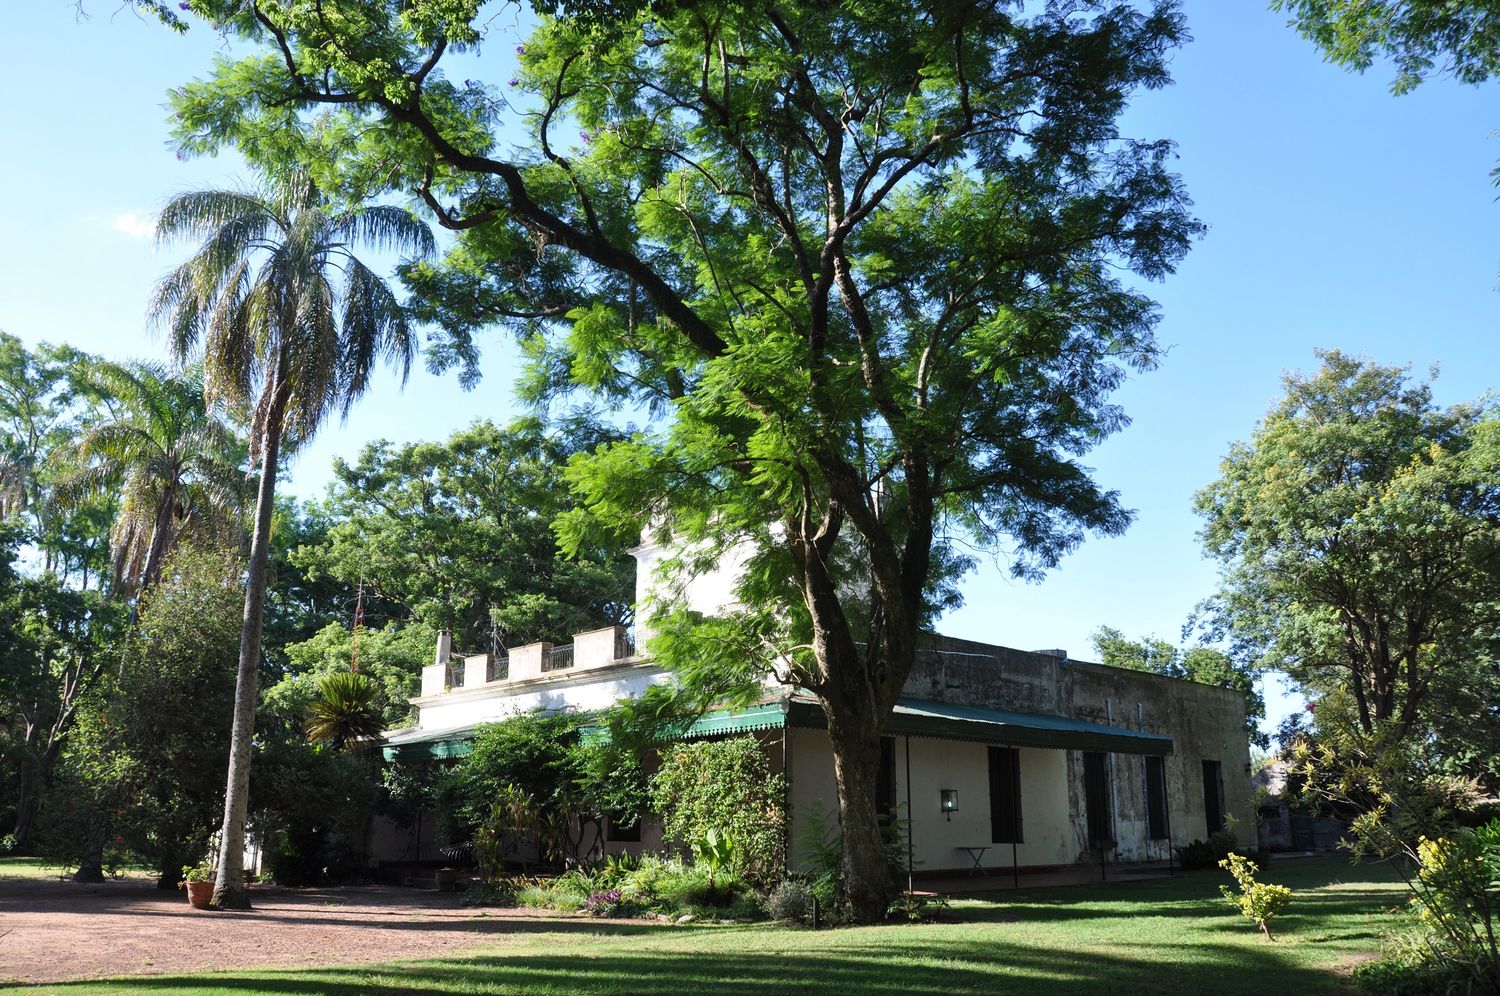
(176, 468)
(290, 325)
(346, 710)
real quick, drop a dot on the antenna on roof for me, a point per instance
(359, 624)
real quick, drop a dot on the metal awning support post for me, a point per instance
(786, 787)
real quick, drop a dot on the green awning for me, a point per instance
(911, 717)
(426, 744)
(946, 721)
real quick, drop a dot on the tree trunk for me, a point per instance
(855, 736)
(229, 886)
(91, 866)
(28, 797)
(161, 538)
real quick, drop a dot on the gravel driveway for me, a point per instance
(53, 931)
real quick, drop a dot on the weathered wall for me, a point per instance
(1204, 722)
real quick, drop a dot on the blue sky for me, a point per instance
(1338, 215)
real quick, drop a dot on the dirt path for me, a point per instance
(54, 931)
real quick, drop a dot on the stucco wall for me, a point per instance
(1204, 722)
(585, 692)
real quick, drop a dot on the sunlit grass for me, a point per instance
(1157, 936)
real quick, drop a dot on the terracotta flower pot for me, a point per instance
(199, 893)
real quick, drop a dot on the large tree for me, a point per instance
(1422, 37)
(290, 325)
(458, 534)
(46, 402)
(176, 467)
(866, 255)
(1358, 532)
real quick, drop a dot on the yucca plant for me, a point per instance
(346, 710)
(290, 325)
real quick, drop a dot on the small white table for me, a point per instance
(976, 855)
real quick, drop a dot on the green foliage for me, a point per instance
(570, 783)
(1259, 901)
(791, 899)
(1358, 533)
(874, 268)
(529, 752)
(152, 754)
(1403, 803)
(1422, 37)
(301, 604)
(176, 467)
(511, 820)
(1458, 897)
(346, 710)
(1201, 664)
(203, 872)
(392, 657)
(720, 798)
(458, 534)
(650, 884)
(46, 403)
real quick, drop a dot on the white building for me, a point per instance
(996, 755)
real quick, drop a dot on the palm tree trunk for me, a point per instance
(161, 536)
(229, 886)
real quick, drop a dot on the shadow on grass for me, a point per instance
(917, 966)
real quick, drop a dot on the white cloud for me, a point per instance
(134, 225)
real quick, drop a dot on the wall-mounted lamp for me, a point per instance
(949, 802)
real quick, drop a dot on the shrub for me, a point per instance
(1457, 901)
(790, 900)
(724, 786)
(500, 893)
(1211, 853)
(1259, 901)
(610, 902)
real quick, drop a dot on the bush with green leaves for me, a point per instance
(1210, 853)
(649, 884)
(724, 787)
(571, 781)
(792, 899)
(821, 847)
(1260, 901)
(1456, 904)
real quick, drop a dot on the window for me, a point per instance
(1096, 800)
(1213, 795)
(614, 832)
(1156, 798)
(1005, 795)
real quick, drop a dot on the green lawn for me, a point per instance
(1165, 936)
(36, 868)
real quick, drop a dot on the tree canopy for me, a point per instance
(1358, 533)
(458, 534)
(867, 256)
(1423, 38)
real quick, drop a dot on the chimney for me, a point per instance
(444, 647)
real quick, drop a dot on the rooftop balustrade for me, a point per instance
(596, 649)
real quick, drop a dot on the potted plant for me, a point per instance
(199, 882)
